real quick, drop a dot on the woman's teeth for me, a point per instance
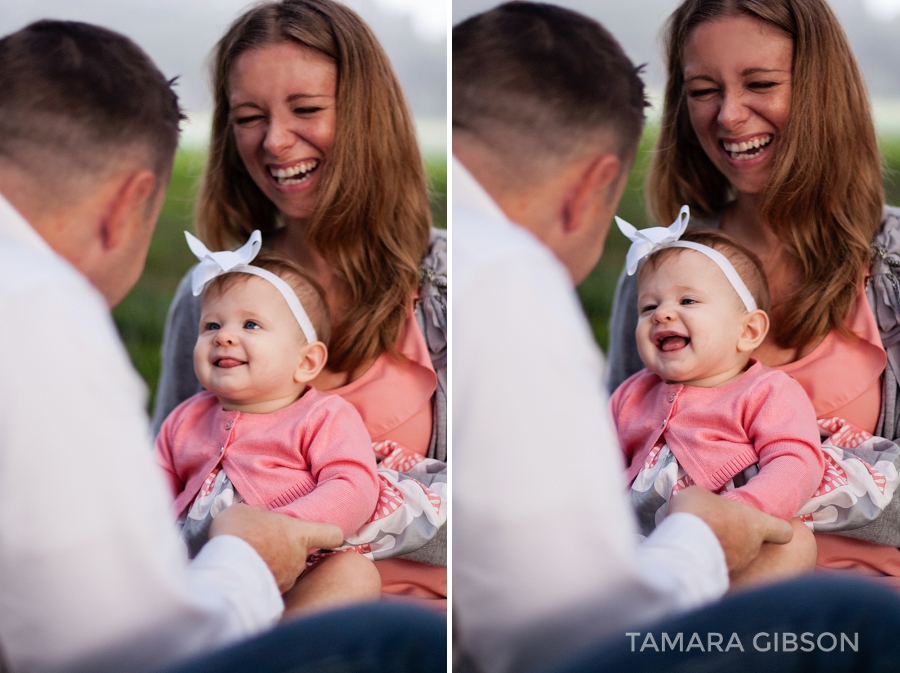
(295, 174)
(747, 150)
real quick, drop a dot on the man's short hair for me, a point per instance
(535, 82)
(75, 99)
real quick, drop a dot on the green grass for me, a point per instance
(142, 314)
(596, 292)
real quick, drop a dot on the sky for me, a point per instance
(883, 9)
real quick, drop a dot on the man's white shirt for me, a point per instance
(93, 575)
(545, 549)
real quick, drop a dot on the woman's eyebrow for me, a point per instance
(296, 96)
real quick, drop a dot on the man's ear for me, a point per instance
(596, 175)
(312, 361)
(128, 207)
(756, 326)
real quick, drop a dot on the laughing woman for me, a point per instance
(767, 135)
(312, 143)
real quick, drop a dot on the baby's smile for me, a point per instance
(228, 362)
(668, 341)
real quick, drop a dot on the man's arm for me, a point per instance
(91, 567)
(545, 548)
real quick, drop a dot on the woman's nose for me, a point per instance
(733, 111)
(279, 136)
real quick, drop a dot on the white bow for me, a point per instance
(647, 241)
(214, 264)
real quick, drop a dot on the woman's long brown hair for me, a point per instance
(372, 219)
(825, 195)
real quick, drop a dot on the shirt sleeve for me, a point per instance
(783, 429)
(92, 573)
(340, 457)
(545, 553)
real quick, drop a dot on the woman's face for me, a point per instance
(283, 115)
(737, 74)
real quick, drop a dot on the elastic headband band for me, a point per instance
(645, 242)
(215, 264)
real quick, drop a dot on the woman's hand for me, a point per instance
(280, 540)
(741, 529)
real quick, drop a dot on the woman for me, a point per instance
(312, 143)
(767, 135)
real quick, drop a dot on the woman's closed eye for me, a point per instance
(247, 119)
(307, 110)
(705, 92)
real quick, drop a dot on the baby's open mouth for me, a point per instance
(228, 362)
(749, 149)
(671, 342)
(295, 174)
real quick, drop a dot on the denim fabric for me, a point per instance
(808, 614)
(372, 638)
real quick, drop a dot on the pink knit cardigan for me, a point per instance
(312, 459)
(762, 416)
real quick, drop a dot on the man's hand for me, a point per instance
(741, 529)
(280, 540)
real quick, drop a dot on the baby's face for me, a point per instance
(690, 321)
(249, 345)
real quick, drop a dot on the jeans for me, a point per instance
(371, 638)
(820, 624)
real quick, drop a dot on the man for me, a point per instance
(547, 113)
(93, 576)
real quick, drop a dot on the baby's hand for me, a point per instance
(280, 540)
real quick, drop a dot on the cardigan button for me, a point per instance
(672, 396)
(222, 451)
(664, 422)
(229, 424)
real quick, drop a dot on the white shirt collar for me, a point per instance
(469, 193)
(14, 226)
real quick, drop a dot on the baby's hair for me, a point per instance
(745, 262)
(309, 292)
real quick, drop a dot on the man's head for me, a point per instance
(88, 133)
(546, 104)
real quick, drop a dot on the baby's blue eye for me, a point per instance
(648, 307)
(212, 325)
(688, 302)
(251, 324)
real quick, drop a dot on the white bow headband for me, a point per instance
(645, 242)
(214, 264)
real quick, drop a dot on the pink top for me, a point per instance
(312, 460)
(394, 397)
(843, 376)
(762, 416)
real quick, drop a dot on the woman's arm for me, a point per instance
(623, 359)
(431, 314)
(177, 380)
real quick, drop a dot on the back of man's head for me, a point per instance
(537, 85)
(76, 101)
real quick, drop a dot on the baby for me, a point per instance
(260, 433)
(704, 412)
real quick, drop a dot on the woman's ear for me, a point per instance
(312, 361)
(756, 326)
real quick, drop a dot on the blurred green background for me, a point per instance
(142, 314)
(597, 290)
